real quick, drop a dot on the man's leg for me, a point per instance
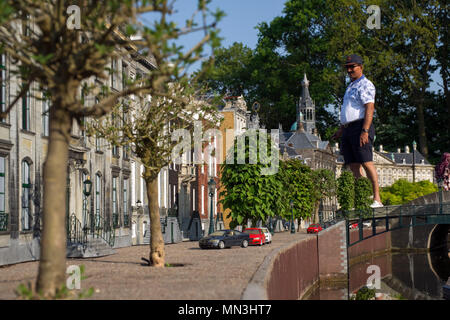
(356, 168)
(373, 177)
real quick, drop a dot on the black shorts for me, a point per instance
(350, 144)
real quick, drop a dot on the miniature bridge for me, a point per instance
(372, 222)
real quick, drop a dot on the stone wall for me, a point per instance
(294, 271)
(333, 252)
(289, 273)
(369, 246)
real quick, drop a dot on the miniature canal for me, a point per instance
(404, 275)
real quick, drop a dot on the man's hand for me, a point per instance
(337, 135)
(363, 138)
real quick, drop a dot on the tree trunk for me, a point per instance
(157, 254)
(52, 264)
(421, 121)
(316, 212)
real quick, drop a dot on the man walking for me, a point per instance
(357, 131)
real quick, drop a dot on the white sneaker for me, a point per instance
(376, 204)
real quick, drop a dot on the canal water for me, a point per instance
(404, 275)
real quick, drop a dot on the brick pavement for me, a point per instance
(205, 274)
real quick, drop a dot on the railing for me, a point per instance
(75, 231)
(3, 222)
(399, 210)
(99, 227)
(391, 218)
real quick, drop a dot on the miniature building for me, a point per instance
(235, 122)
(392, 166)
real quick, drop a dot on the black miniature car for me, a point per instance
(224, 238)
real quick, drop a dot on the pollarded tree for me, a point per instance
(363, 195)
(324, 186)
(346, 190)
(298, 186)
(152, 128)
(60, 45)
(252, 189)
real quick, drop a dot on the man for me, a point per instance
(357, 131)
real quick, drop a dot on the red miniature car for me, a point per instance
(256, 236)
(314, 228)
(353, 226)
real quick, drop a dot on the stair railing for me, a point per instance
(76, 234)
(99, 227)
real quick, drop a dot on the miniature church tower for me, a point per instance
(306, 110)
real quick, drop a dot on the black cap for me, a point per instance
(353, 59)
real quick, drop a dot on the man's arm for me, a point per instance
(368, 117)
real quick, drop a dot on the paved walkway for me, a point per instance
(205, 274)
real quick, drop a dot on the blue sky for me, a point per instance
(242, 16)
(239, 24)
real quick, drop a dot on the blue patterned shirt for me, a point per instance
(358, 93)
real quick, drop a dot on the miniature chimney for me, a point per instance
(406, 149)
(398, 150)
(336, 146)
(381, 148)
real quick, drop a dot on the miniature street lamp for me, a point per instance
(292, 223)
(212, 188)
(87, 187)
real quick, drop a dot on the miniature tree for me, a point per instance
(152, 129)
(363, 195)
(324, 186)
(297, 186)
(248, 193)
(60, 45)
(346, 190)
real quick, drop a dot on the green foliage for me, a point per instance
(324, 184)
(231, 73)
(249, 194)
(364, 294)
(363, 193)
(346, 190)
(403, 191)
(298, 184)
